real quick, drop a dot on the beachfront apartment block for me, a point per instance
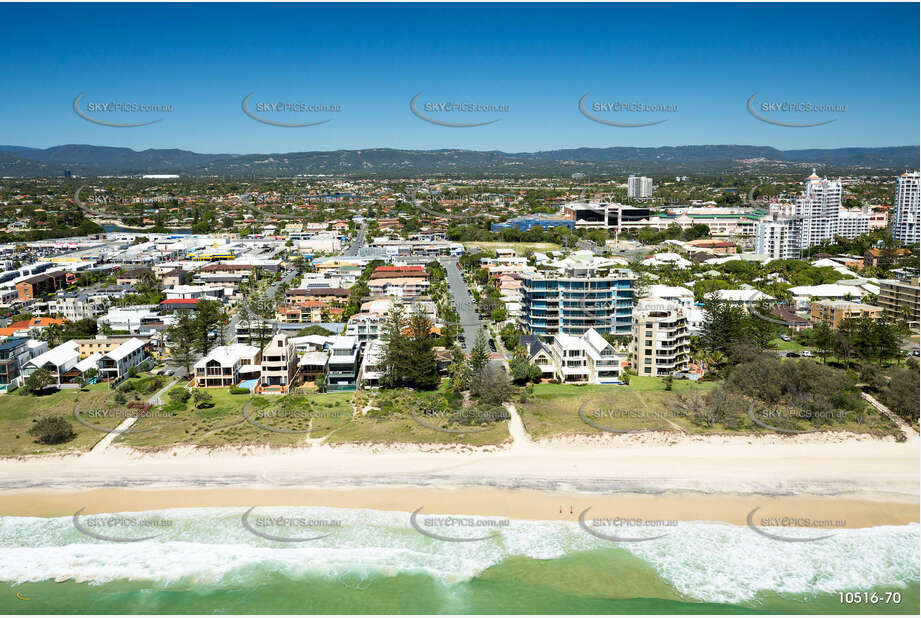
(901, 301)
(588, 359)
(228, 365)
(661, 341)
(833, 312)
(365, 326)
(279, 364)
(906, 209)
(14, 353)
(576, 300)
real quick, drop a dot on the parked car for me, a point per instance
(793, 355)
(785, 337)
(916, 352)
(807, 354)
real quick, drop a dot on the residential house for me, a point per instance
(116, 364)
(279, 364)
(344, 363)
(56, 361)
(229, 365)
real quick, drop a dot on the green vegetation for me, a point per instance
(388, 420)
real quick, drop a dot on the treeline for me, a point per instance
(84, 228)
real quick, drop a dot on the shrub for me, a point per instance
(53, 430)
(179, 396)
(238, 390)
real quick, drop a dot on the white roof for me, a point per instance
(827, 290)
(57, 356)
(88, 363)
(228, 355)
(666, 258)
(739, 295)
(669, 291)
(125, 349)
(314, 358)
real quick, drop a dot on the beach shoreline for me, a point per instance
(522, 504)
(865, 470)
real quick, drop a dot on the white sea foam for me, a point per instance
(703, 561)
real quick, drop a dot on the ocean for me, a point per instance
(216, 561)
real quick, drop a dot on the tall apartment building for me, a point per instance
(772, 238)
(639, 187)
(574, 301)
(901, 301)
(661, 341)
(906, 209)
(816, 217)
(818, 209)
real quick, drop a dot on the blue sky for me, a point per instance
(537, 59)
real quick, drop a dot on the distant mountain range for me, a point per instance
(84, 160)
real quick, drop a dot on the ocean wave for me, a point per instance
(702, 561)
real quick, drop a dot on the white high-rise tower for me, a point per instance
(906, 212)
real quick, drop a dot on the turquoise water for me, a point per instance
(206, 561)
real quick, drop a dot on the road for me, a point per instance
(463, 302)
(358, 242)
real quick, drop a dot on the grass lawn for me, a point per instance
(19, 412)
(388, 420)
(646, 405)
(780, 344)
(310, 416)
(519, 247)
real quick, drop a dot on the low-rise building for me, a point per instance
(833, 312)
(55, 361)
(344, 364)
(900, 300)
(116, 363)
(279, 364)
(228, 365)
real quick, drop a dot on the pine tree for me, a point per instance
(394, 356)
(421, 362)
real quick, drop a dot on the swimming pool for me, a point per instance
(250, 384)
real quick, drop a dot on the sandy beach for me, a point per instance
(513, 504)
(862, 480)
